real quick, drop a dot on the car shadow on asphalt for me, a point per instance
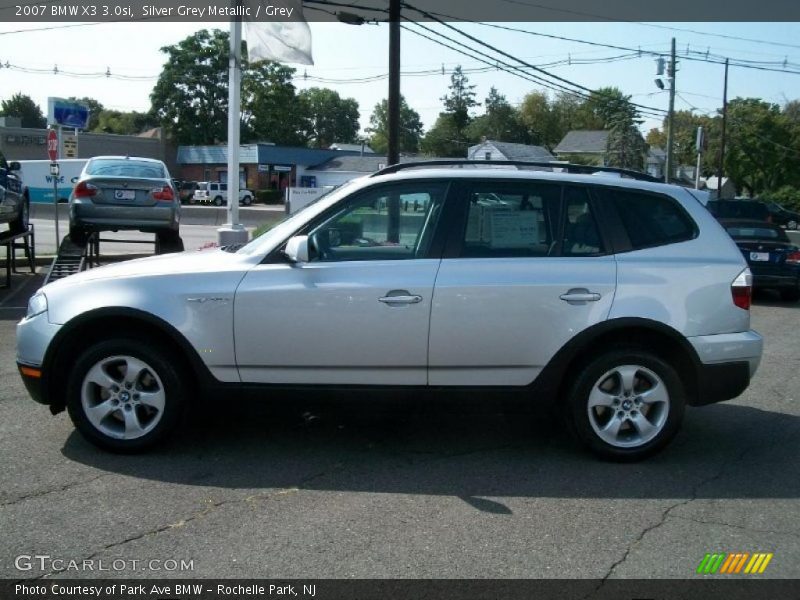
(465, 450)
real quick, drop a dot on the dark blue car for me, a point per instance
(773, 259)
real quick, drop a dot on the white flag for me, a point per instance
(283, 36)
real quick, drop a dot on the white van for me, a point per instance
(37, 178)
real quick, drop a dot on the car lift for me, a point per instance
(73, 258)
(12, 243)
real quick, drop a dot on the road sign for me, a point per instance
(70, 143)
(67, 114)
(52, 145)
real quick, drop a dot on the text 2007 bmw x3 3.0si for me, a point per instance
(620, 300)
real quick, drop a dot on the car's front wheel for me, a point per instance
(125, 395)
(626, 404)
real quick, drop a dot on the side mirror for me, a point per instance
(14, 166)
(297, 249)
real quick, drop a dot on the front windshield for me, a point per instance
(286, 226)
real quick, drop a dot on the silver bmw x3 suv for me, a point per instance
(618, 300)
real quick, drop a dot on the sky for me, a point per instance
(131, 52)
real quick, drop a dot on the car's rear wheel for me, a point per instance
(124, 395)
(626, 404)
(218, 201)
(247, 200)
(791, 224)
(20, 224)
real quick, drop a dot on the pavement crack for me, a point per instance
(55, 490)
(785, 533)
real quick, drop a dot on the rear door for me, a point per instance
(525, 270)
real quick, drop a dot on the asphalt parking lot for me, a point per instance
(299, 488)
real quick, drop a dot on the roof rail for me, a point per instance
(568, 167)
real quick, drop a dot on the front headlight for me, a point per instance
(36, 305)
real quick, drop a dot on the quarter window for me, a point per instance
(649, 219)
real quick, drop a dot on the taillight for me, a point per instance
(742, 290)
(164, 194)
(84, 190)
(793, 258)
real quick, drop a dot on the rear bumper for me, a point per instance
(727, 363)
(144, 218)
(776, 281)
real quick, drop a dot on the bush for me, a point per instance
(269, 197)
(787, 196)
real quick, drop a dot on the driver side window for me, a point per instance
(389, 223)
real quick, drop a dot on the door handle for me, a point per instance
(400, 297)
(580, 296)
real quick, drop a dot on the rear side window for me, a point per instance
(649, 219)
(511, 220)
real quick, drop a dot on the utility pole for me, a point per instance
(671, 117)
(233, 232)
(721, 165)
(393, 154)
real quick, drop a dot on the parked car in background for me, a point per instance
(117, 193)
(739, 209)
(217, 194)
(618, 302)
(783, 216)
(14, 202)
(773, 259)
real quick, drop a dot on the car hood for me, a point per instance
(198, 261)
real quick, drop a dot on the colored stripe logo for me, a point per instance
(734, 563)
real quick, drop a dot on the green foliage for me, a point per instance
(269, 196)
(501, 121)
(460, 100)
(443, 139)
(625, 147)
(449, 136)
(191, 94)
(328, 118)
(410, 128)
(610, 107)
(787, 196)
(270, 110)
(124, 123)
(23, 107)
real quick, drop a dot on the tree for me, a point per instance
(442, 139)
(609, 105)
(328, 118)
(124, 123)
(23, 107)
(191, 95)
(760, 156)
(501, 121)
(270, 107)
(95, 108)
(448, 136)
(625, 147)
(410, 128)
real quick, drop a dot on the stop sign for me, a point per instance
(52, 145)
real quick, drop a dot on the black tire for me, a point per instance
(218, 201)
(78, 235)
(160, 369)
(168, 242)
(20, 224)
(247, 200)
(790, 294)
(667, 415)
(792, 224)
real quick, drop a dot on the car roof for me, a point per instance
(483, 173)
(139, 158)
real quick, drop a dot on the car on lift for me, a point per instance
(118, 193)
(14, 201)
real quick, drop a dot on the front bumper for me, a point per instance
(727, 363)
(32, 378)
(33, 338)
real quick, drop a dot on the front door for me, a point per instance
(358, 312)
